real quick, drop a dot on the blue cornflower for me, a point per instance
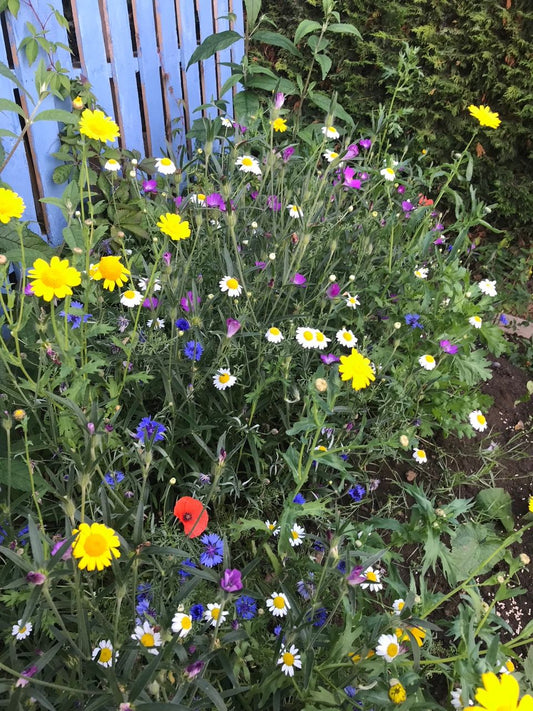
(149, 430)
(182, 324)
(143, 605)
(319, 617)
(412, 320)
(184, 573)
(193, 350)
(504, 320)
(350, 691)
(144, 587)
(197, 612)
(357, 492)
(305, 589)
(298, 499)
(114, 478)
(318, 545)
(75, 319)
(277, 630)
(246, 607)
(341, 566)
(214, 550)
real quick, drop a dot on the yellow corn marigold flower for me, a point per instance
(501, 695)
(397, 693)
(279, 125)
(19, 414)
(54, 279)
(112, 271)
(95, 546)
(530, 504)
(173, 226)
(485, 116)
(356, 368)
(96, 125)
(11, 205)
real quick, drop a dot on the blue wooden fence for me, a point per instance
(134, 53)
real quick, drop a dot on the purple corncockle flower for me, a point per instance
(35, 578)
(178, 200)
(279, 100)
(151, 302)
(187, 302)
(149, 187)
(287, 153)
(400, 189)
(407, 206)
(28, 290)
(22, 681)
(239, 126)
(357, 576)
(329, 358)
(439, 240)
(273, 203)
(351, 152)
(333, 290)
(231, 580)
(261, 265)
(167, 256)
(192, 670)
(67, 554)
(365, 143)
(216, 200)
(299, 279)
(233, 326)
(349, 180)
(448, 347)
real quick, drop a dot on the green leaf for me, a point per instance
(277, 40)
(7, 134)
(8, 105)
(61, 174)
(472, 546)
(304, 28)
(325, 64)
(230, 83)
(253, 7)
(214, 43)
(324, 102)
(496, 503)
(59, 115)
(34, 246)
(5, 71)
(210, 691)
(20, 477)
(345, 29)
(246, 106)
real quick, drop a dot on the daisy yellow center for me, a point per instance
(347, 336)
(321, 448)
(392, 649)
(201, 197)
(279, 602)
(481, 419)
(165, 161)
(274, 331)
(112, 161)
(288, 659)
(22, 630)
(223, 378)
(215, 613)
(105, 655)
(95, 545)
(331, 129)
(429, 359)
(295, 535)
(389, 171)
(371, 576)
(509, 666)
(247, 162)
(421, 453)
(232, 283)
(308, 335)
(333, 154)
(186, 623)
(320, 337)
(401, 605)
(147, 640)
(295, 208)
(129, 294)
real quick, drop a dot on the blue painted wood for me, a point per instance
(188, 43)
(149, 68)
(208, 71)
(221, 9)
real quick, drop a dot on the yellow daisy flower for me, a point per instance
(11, 205)
(172, 225)
(95, 546)
(485, 116)
(279, 125)
(356, 368)
(502, 693)
(54, 279)
(112, 271)
(96, 125)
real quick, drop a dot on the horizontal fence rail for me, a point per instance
(134, 53)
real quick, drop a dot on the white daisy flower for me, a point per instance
(478, 421)
(248, 164)
(295, 211)
(131, 298)
(306, 336)
(112, 165)
(373, 580)
(181, 624)
(147, 637)
(457, 700)
(223, 379)
(274, 335)
(330, 156)
(330, 132)
(226, 122)
(475, 321)
(289, 659)
(20, 631)
(398, 605)
(321, 340)
(352, 301)
(231, 285)
(421, 272)
(507, 667)
(388, 174)
(427, 362)
(214, 614)
(198, 199)
(143, 282)
(158, 324)
(388, 647)
(278, 604)
(420, 456)
(272, 527)
(103, 653)
(296, 535)
(488, 287)
(165, 166)
(346, 338)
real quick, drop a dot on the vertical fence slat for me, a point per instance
(149, 70)
(221, 8)
(208, 72)
(188, 43)
(124, 67)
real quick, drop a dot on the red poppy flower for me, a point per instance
(424, 201)
(192, 515)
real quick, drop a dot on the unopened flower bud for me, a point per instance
(404, 441)
(524, 558)
(321, 385)
(3, 259)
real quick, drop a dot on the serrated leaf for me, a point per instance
(212, 44)
(277, 40)
(304, 28)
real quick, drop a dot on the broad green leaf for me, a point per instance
(230, 83)
(277, 40)
(324, 102)
(253, 8)
(214, 43)
(344, 28)
(8, 105)
(5, 71)
(325, 64)
(61, 174)
(246, 106)
(7, 134)
(496, 503)
(304, 28)
(20, 478)
(34, 246)
(59, 115)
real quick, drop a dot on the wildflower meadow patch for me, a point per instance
(195, 390)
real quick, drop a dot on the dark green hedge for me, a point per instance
(471, 52)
